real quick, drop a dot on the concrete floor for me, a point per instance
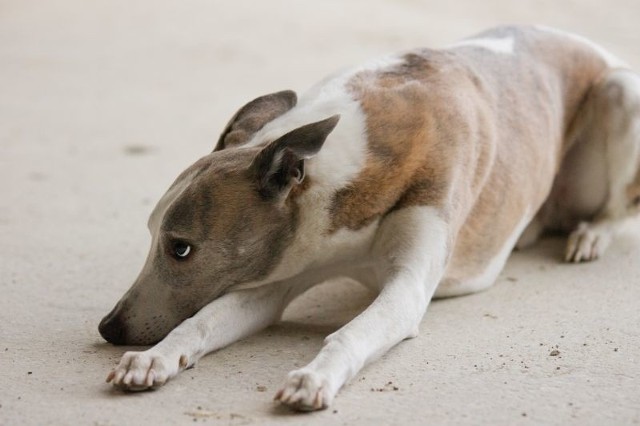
(103, 103)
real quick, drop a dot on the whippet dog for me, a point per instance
(415, 175)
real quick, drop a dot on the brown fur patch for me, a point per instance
(402, 137)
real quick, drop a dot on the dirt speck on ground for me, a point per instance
(389, 386)
(232, 418)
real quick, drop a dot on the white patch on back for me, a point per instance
(502, 45)
(610, 59)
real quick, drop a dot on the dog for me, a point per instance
(415, 175)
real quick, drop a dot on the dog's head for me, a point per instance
(224, 222)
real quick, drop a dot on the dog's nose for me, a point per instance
(112, 329)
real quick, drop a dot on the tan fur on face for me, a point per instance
(235, 235)
(222, 213)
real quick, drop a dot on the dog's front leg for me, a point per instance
(410, 253)
(223, 321)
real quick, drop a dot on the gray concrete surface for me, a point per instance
(103, 103)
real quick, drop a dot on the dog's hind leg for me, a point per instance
(612, 117)
(411, 251)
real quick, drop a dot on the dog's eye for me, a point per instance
(181, 249)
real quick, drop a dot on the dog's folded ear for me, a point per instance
(280, 165)
(253, 116)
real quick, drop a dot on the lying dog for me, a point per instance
(415, 175)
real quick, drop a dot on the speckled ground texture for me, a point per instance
(103, 103)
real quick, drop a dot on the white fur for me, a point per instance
(503, 45)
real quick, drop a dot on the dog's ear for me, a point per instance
(253, 116)
(280, 165)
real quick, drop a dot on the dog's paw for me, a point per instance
(587, 243)
(144, 370)
(305, 390)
